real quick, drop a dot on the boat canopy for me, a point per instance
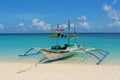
(58, 30)
(56, 35)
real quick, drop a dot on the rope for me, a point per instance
(33, 66)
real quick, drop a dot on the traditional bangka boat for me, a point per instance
(59, 52)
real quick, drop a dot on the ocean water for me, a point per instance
(11, 45)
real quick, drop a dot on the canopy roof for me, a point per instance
(56, 35)
(58, 30)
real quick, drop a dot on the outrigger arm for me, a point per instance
(101, 52)
(43, 58)
(26, 53)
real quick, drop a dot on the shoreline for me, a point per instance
(58, 71)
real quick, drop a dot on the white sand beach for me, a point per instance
(30, 71)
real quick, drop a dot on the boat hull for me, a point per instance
(56, 55)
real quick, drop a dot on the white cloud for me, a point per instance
(66, 25)
(1, 27)
(40, 24)
(82, 18)
(72, 25)
(115, 1)
(106, 7)
(63, 26)
(111, 13)
(21, 26)
(116, 23)
(84, 24)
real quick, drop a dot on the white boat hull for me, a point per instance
(52, 55)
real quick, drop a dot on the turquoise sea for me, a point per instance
(11, 45)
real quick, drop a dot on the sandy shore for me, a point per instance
(31, 71)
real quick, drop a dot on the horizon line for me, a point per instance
(77, 33)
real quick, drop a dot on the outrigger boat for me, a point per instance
(57, 52)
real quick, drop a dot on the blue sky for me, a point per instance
(39, 16)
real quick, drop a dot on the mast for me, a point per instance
(57, 34)
(68, 32)
(75, 34)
